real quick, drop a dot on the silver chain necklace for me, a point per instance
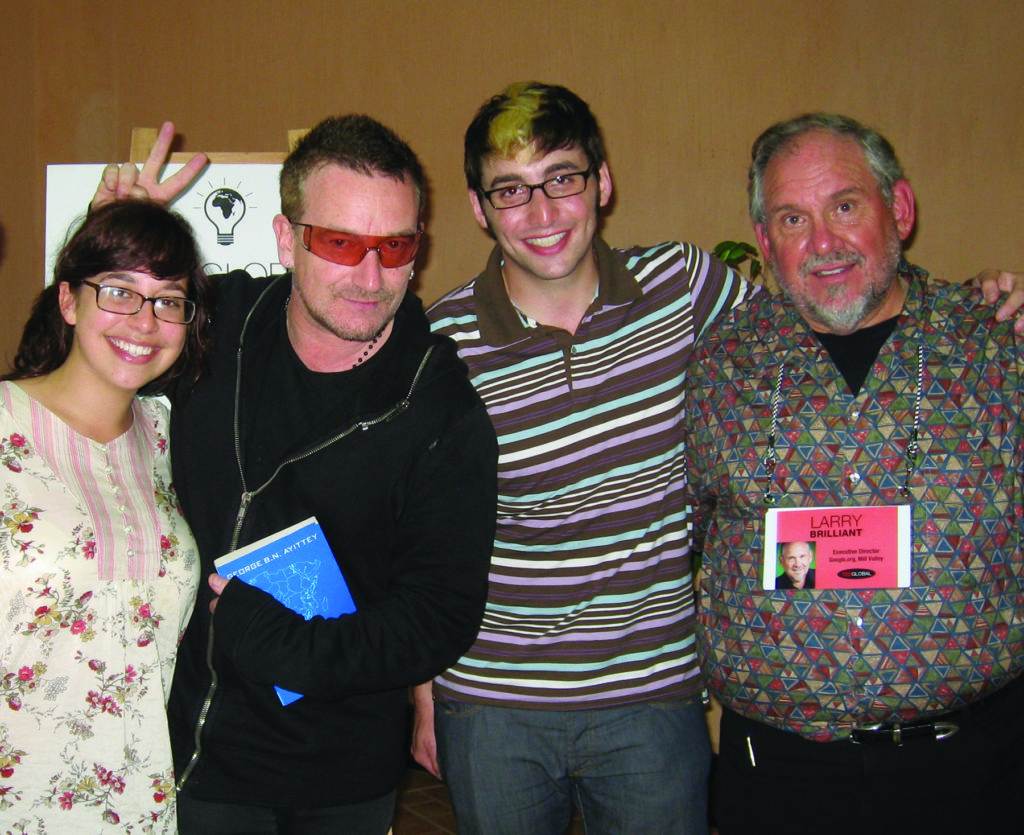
(911, 454)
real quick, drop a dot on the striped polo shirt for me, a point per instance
(590, 601)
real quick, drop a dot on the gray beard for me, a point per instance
(846, 319)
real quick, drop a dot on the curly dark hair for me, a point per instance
(127, 235)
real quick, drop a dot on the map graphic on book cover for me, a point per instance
(297, 567)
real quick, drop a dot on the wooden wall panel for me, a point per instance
(21, 182)
(681, 88)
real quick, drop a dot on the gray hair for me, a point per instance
(878, 153)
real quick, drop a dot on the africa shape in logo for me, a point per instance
(225, 208)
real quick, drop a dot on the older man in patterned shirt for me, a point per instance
(879, 415)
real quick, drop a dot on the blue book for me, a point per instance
(298, 568)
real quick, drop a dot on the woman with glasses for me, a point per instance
(98, 570)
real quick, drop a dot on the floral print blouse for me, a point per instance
(98, 575)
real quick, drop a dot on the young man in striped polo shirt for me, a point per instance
(583, 682)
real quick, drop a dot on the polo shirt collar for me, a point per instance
(501, 324)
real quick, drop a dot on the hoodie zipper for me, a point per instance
(248, 495)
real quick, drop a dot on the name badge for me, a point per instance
(837, 547)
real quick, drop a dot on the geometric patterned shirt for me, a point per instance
(590, 601)
(819, 662)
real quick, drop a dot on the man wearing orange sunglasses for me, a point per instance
(327, 396)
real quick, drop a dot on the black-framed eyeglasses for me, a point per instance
(557, 187)
(114, 299)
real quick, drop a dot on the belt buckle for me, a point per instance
(939, 731)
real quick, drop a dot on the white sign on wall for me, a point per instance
(230, 208)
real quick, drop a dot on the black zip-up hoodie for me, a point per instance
(408, 506)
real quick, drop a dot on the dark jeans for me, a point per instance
(201, 817)
(769, 780)
(639, 769)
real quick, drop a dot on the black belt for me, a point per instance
(896, 733)
(934, 728)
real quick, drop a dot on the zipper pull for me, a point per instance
(242, 508)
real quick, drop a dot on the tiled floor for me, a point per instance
(424, 809)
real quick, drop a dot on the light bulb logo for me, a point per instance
(225, 208)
